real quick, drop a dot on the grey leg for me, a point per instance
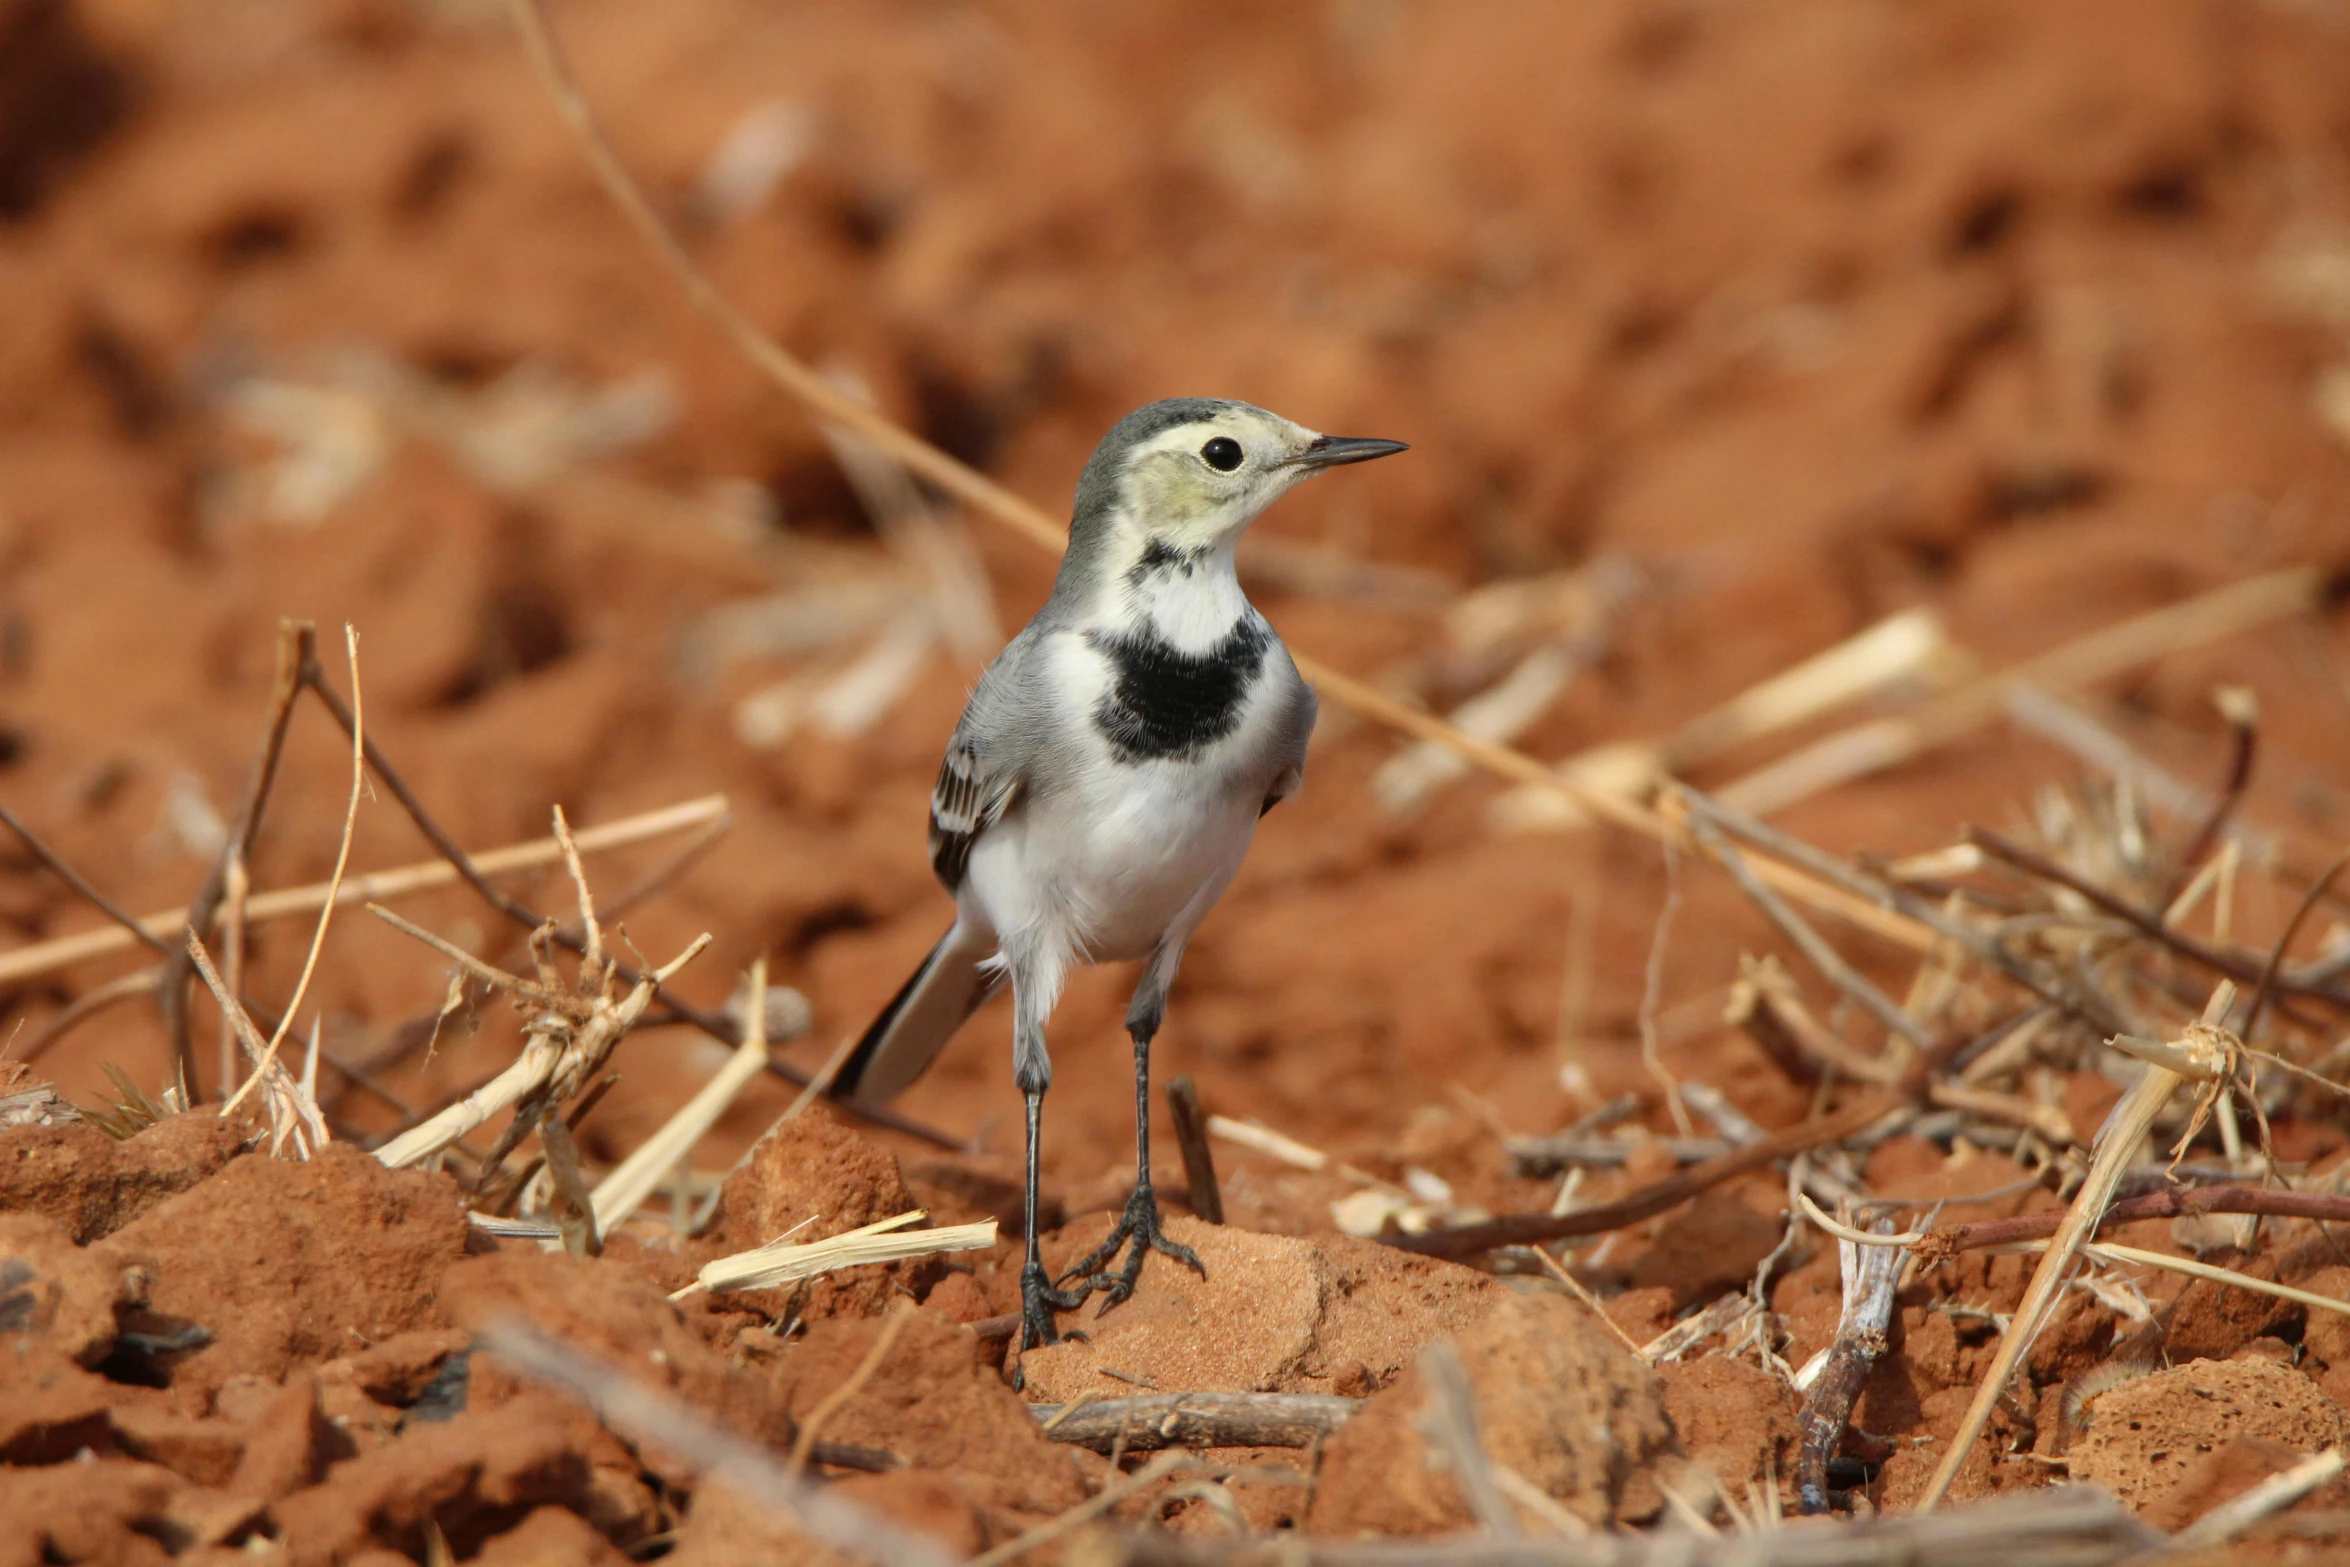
(1032, 1070)
(1140, 1222)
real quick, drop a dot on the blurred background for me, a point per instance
(1722, 331)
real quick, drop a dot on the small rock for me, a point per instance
(936, 1403)
(1706, 1250)
(1733, 1418)
(288, 1444)
(288, 1262)
(93, 1185)
(1558, 1400)
(2146, 1437)
(550, 1537)
(1275, 1314)
(815, 1168)
(53, 1291)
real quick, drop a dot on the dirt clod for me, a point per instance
(939, 1404)
(280, 1263)
(1558, 1400)
(2147, 1437)
(93, 1185)
(1733, 1418)
(1275, 1314)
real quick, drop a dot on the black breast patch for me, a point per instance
(1165, 702)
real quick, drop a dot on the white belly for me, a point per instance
(1115, 855)
(1102, 870)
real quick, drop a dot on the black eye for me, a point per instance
(1222, 454)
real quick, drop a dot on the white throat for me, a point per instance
(1191, 598)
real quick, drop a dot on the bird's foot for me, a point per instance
(1038, 1301)
(1139, 1224)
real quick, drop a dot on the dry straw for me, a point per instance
(573, 1029)
(888, 1240)
(49, 956)
(636, 1177)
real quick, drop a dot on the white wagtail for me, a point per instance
(1108, 775)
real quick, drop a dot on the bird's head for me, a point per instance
(1194, 472)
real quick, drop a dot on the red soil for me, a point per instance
(1815, 312)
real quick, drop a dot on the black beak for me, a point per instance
(1329, 451)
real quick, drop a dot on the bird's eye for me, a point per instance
(1222, 454)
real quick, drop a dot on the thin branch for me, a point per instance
(2276, 958)
(1531, 1229)
(80, 884)
(2233, 965)
(1939, 1245)
(2242, 711)
(1870, 1275)
(326, 910)
(1197, 1420)
(297, 643)
(1199, 1159)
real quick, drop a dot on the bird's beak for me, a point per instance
(1329, 451)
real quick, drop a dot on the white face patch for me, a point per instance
(1199, 485)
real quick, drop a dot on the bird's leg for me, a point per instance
(1038, 1299)
(1140, 1222)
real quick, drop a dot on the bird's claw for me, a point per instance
(1038, 1301)
(1140, 1224)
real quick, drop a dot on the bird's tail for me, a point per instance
(950, 985)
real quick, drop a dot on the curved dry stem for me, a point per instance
(326, 910)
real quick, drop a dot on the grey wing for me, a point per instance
(1304, 707)
(985, 770)
(968, 799)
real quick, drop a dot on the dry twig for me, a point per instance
(567, 1041)
(2199, 1055)
(1531, 1229)
(1197, 1420)
(326, 909)
(154, 930)
(1191, 1138)
(1870, 1275)
(634, 1179)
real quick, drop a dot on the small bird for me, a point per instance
(1107, 777)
